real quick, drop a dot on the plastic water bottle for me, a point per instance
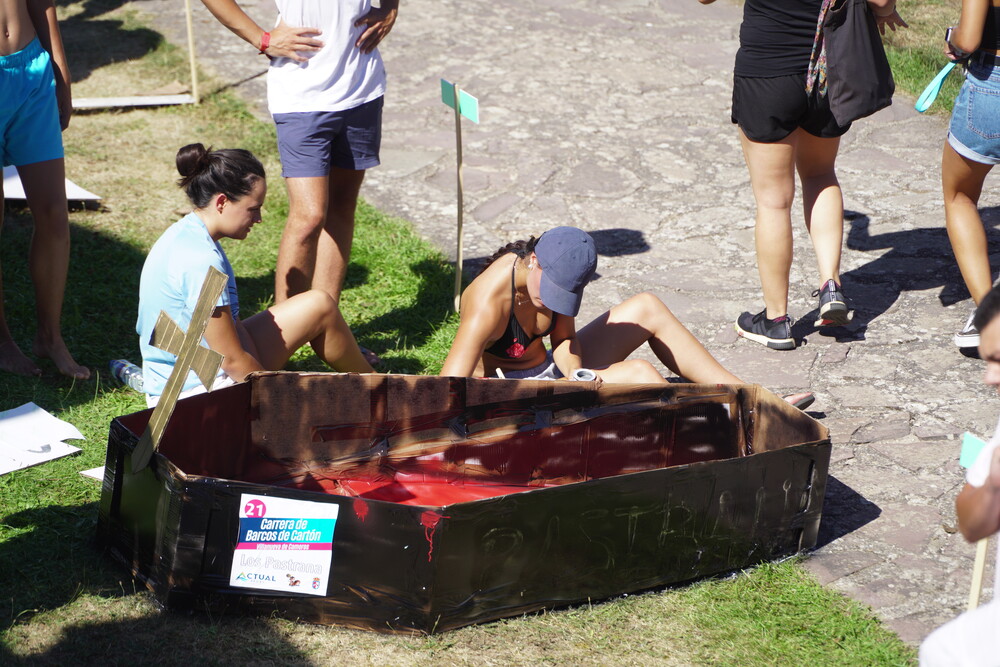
(127, 373)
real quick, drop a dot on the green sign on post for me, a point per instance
(468, 105)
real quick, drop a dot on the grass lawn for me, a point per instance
(917, 53)
(63, 601)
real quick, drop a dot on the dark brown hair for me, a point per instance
(204, 172)
(520, 248)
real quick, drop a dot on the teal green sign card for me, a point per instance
(468, 105)
(971, 446)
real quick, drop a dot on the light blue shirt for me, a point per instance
(172, 276)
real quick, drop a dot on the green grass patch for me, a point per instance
(914, 67)
(916, 54)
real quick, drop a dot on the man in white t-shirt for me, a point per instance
(974, 637)
(325, 87)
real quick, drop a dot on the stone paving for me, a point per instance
(615, 117)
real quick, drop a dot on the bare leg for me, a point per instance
(45, 188)
(311, 317)
(307, 203)
(772, 177)
(12, 359)
(316, 244)
(822, 200)
(962, 183)
(644, 318)
(334, 252)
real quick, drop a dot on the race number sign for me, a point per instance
(284, 545)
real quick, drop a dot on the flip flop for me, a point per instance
(805, 399)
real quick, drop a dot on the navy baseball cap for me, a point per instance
(568, 259)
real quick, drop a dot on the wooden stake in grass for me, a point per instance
(191, 59)
(466, 105)
(191, 356)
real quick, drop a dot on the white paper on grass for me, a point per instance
(12, 188)
(94, 473)
(29, 435)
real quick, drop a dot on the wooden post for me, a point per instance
(458, 251)
(194, 66)
(977, 574)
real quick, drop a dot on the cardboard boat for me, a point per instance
(419, 503)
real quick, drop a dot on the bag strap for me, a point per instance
(816, 74)
(930, 93)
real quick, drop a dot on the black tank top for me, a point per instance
(514, 341)
(776, 37)
(991, 31)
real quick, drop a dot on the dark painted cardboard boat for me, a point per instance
(458, 501)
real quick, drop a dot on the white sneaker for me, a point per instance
(969, 335)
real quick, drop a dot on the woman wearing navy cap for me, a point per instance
(532, 289)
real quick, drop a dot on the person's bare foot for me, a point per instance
(60, 356)
(14, 361)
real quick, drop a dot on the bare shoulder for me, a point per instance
(490, 291)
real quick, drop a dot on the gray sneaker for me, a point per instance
(969, 335)
(776, 333)
(833, 309)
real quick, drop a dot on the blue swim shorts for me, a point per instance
(29, 114)
(974, 132)
(313, 141)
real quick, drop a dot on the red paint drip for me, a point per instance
(361, 509)
(429, 520)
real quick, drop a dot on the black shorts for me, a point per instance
(769, 109)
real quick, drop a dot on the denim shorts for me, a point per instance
(310, 142)
(29, 115)
(974, 132)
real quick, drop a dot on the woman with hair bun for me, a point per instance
(533, 289)
(227, 189)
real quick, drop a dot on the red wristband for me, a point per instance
(265, 41)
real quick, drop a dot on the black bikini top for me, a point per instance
(514, 341)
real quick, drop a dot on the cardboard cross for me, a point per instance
(191, 356)
(466, 105)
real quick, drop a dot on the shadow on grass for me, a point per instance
(82, 31)
(163, 639)
(916, 260)
(52, 559)
(99, 308)
(425, 314)
(53, 563)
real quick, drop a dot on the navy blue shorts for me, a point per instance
(769, 109)
(312, 142)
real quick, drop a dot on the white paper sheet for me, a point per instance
(94, 473)
(12, 188)
(29, 435)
